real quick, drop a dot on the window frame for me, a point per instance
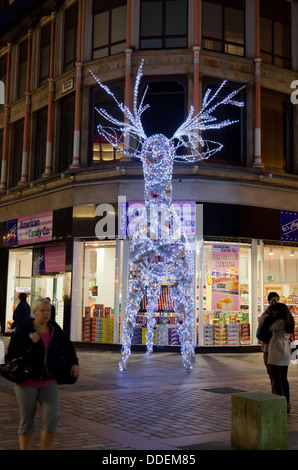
(163, 37)
(223, 42)
(107, 7)
(43, 80)
(67, 66)
(274, 19)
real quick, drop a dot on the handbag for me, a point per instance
(63, 375)
(16, 370)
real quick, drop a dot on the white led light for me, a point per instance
(159, 249)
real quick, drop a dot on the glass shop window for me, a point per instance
(99, 292)
(163, 24)
(109, 27)
(275, 32)
(277, 131)
(225, 294)
(223, 26)
(281, 276)
(102, 151)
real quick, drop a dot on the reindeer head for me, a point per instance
(187, 136)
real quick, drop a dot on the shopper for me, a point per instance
(53, 309)
(279, 351)
(22, 311)
(272, 298)
(40, 338)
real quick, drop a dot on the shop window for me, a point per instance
(25, 274)
(277, 131)
(67, 133)
(167, 106)
(22, 70)
(275, 32)
(16, 153)
(41, 119)
(3, 74)
(224, 295)
(109, 27)
(232, 137)
(99, 292)
(163, 24)
(45, 48)
(281, 276)
(102, 151)
(70, 37)
(18, 280)
(223, 27)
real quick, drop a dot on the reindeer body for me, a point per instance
(160, 252)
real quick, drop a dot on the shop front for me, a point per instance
(38, 265)
(232, 279)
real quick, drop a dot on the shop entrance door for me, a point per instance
(53, 287)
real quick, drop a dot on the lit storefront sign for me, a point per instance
(31, 229)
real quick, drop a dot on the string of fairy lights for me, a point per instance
(160, 252)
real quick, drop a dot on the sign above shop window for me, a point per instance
(289, 226)
(30, 229)
(50, 259)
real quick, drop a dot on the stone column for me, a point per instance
(25, 159)
(257, 157)
(49, 148)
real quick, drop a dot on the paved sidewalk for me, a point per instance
(157, 405)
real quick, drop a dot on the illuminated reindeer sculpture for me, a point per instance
(160, 252)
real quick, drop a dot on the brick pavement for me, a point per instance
(156, 405)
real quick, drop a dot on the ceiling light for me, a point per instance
(292, 253)
(271, 252)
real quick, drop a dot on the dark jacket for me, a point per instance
(21, 313)
(43, 362)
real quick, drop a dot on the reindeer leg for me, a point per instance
(134, 297)
(153, 294)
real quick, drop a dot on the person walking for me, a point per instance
(22, 311)
(53, 309)
(40, 338)
(272, 298)
(279, 350)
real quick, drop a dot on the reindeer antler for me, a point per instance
(131, 126)
(188, 133)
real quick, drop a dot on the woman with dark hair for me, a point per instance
(279, 351)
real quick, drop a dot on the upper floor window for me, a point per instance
(232, 137)
(223, 26)
(275, 32)
(22, 78)
(45, 49)
(67, 131)
(277, 131)
(102, 151)
(70, 37)
(16, 153)
(164, 24)
(109, 27)
(39, 151)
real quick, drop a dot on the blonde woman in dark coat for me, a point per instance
(279, 351)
